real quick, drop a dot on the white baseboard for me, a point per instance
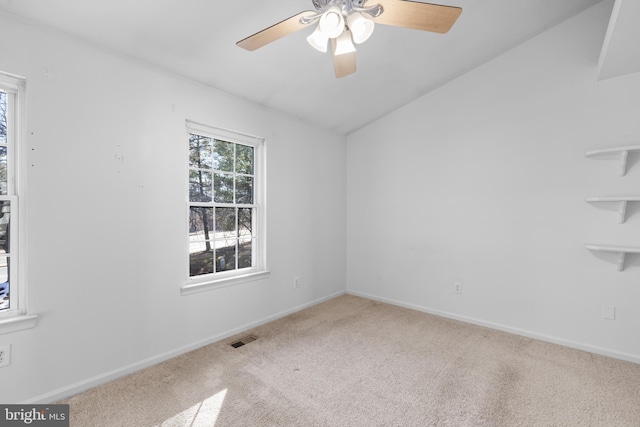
(525, 333)
(79, 387)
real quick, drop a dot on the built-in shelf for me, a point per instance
(622, 200)
(621, 152)
(622, 251)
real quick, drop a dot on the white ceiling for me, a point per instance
(196, 38)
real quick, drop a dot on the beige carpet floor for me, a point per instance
(356, 362)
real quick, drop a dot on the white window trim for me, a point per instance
(17, 318)
(209, 282)
(207, 285)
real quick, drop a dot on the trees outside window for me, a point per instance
(225, 202)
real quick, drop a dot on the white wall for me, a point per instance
(484, 180)
(106, 250)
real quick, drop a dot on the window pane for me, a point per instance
(244, 159)
(222, 191)
(5, 216)
(200, 259)
(223, 184)
(245, 252)
(226, 255)
(200, 152)
(226, 222)
(3, 170)
(244, 189)
(200, 223)
(4, 283)
(223, 156)
(199, 186)
(245, 224)
(3, 118)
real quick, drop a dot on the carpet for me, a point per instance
(351, 361)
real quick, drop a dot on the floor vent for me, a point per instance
(243, 341)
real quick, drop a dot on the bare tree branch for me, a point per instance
(3, 116)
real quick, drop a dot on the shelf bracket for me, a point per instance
(622, 212)
(620, 251)
(622, 203)
(621, 256)
(612, 153)
(624, 155)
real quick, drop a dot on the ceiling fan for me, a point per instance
(345, 22)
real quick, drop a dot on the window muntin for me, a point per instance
(225, 201)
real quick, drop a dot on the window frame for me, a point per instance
(259, 269)
(16, 317)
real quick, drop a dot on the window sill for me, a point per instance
(17, 323)
(192, 288)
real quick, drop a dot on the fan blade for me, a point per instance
(275, 32)
(344, 64)
(418, 16)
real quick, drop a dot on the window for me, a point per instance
(226, 235)
(12, 284)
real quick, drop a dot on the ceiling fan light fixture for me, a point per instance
(344, 44)
(361, 27)
(331, 22)
(318, 40)
(346, 22)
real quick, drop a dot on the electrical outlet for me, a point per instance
(296, 282)
(608, 312)
(5, 355)
(457, 287)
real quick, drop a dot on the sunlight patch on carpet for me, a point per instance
(203, 413)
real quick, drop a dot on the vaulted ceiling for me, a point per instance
(196, 38)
